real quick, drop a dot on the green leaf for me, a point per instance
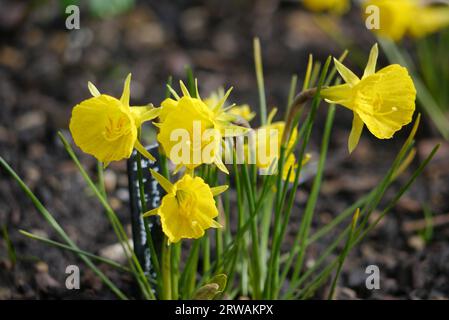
(111, 8)
(207, 292)
(210, 290)
(58, 229)
(220, 279)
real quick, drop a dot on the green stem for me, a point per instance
(166, 270)
(260, 80)
(175, 257)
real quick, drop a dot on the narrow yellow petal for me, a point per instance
(339, 94)
(196, 89)
(222, 100)
(356, 132)
(165, 184)
(184, 89)
(150, 115)
(218, 190)
(142, 114)
(152, 212)
(139, 147)
(372, 61)
(93, 89)
(234, 131)
(178, 168)
(216, 225)
(126, 91)
(220, 165)
(271, 115)
(347, 75)
(306, 158)
(173, 92)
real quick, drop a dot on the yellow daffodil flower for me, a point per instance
(429, 20)
(400, 17)
(106, 127)
(205, 127)
(291, 163)
(188, 208)
(384, 101)
(243, 111)
(334, 6)
(270, 147)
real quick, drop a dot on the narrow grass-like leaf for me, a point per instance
(58, 229)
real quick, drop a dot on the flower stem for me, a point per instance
(297, 104)
(166, 270)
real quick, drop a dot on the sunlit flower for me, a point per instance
(188, 208)
(267, 147)
(243, 111)
(429, 20)
(384, 100)
(400, 17)
(205, 126)
(335, 6)
(291, 166)
(106, 127)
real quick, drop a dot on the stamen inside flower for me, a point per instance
(116, 127)
(186, 201)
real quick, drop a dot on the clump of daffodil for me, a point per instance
(384, 101)
(106, 127)
(188, 208)
(400, 17)
(334, 6)
(189, 113)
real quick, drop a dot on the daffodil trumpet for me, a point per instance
(107, 128)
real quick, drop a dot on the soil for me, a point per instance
(44, 69)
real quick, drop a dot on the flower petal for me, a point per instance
(143, 114)
(93, 89)
(386, 101)
(126, 91)
(271, 115)
(356, 132)
(90, 122)
(222, 101)
(347, 75)
(218, 190)
(184, 89)
(139, 147)
(216, 225)
(372, 61)
(165, 184)
(341, 94)
(220, 165)
(152, 212)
